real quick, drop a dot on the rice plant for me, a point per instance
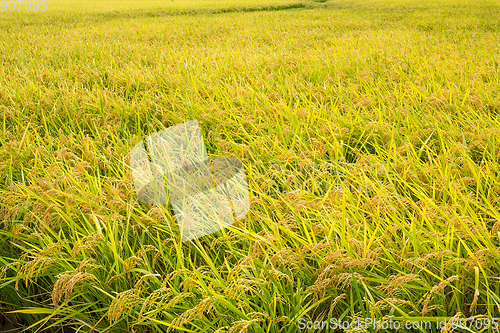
(369, 132)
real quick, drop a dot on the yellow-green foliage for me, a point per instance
(369, 131)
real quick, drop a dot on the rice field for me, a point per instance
(370, 136)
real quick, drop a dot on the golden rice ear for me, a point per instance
(473, 305)
(155, 299)
(123, 304)
(436, 289)
(205, 305)
(65, 284)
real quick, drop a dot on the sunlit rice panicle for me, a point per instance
(334, 304)
(205, 305)
(473, 305)
(243, 325)
(389, 303)
(436, 289)
(19, 229)
(155, 299)
(131, 262)
(88, 244)
(451, 323)
(32, 268)
(65, 284)
(123, 304)
(237, 287)
(172, 302)
(396, 284)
